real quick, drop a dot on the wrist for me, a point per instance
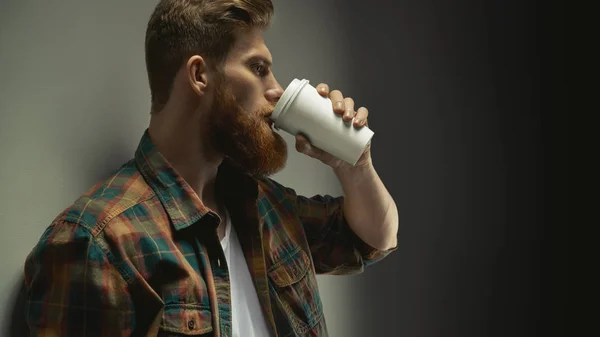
(354, 174)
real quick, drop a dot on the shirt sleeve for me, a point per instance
(334, 246)
(72, 287)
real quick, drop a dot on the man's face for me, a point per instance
(245, 96)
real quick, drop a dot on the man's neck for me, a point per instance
(193, 160)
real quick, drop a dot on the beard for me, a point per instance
(245, 137)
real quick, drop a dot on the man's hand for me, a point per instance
(373, 218)
(342, 106)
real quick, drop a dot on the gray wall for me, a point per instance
(74, 102)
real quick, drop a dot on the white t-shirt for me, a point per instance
(247, 316)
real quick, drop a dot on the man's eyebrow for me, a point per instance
(262, 59)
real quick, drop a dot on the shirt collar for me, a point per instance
(181, 203)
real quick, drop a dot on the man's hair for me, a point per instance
(179, 29)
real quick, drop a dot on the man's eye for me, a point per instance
(260, 69)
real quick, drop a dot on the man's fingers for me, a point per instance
(337, 99)
(323, 89)
(361, 116)
(348, 109)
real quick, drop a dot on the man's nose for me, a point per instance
(273, 95)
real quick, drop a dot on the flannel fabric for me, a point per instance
(138, 255)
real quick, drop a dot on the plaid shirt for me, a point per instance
(138, 255)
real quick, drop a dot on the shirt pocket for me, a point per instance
(185, 320)
(295, 286)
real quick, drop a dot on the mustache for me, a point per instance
(266, 111)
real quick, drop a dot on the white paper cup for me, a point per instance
(301, 109)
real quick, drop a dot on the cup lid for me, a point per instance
(287, 96)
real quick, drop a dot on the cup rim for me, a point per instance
(286, 99)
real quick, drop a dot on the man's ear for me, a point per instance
(197, 74)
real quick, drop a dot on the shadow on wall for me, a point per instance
(15, 313)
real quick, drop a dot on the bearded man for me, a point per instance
(192, 237)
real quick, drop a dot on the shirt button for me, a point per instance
(191, 324)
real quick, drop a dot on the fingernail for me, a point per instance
(360, 121)
(338, 105)
(348, 114)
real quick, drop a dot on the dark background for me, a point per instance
(470, 155)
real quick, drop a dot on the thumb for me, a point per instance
(304, 146)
